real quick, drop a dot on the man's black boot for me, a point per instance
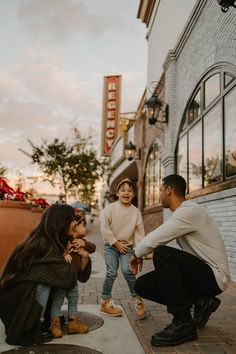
(46, 335)
(203, 310)
(182, 329)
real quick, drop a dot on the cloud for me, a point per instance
(39, 101)
(10, 154)
(54, 86)
(7, 86)
(39, 90)
(63, 19)
(36, 126)
(57, 76)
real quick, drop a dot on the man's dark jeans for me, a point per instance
(179, 279)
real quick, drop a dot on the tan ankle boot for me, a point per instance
(74, 326)
(55, 327)
(140, 308)
(108, 308)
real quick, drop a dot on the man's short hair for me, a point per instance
(123, 181)
(177, 182)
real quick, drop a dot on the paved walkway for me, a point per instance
(127, 335)
(218, 337)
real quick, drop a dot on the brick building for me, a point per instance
(192, 68)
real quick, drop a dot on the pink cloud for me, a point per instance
(62, 19)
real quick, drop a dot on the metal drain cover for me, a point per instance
(53, 349)
(90, 319)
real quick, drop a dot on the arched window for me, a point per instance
(206, 151)
(153, 175)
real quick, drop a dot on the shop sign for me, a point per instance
(111, 112)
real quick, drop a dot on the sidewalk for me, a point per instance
(218, 337)
(129, 336)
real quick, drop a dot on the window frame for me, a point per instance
(156, 162)
(185, 127)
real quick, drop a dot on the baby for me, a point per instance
(77, 252)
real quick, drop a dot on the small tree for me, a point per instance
(75, 165)
(3, 171)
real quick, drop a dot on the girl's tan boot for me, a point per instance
(55, 327)
(74, 326)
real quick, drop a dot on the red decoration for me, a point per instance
(41, 202)
(8, 193)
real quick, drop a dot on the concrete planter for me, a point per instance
(17, 219)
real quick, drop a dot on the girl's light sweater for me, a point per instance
(195, 233)
(122, 223)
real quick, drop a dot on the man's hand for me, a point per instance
(121, 246)
(135, 264)
(149, 256)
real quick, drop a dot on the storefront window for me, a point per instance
(194, 108)
(182, 157)
(195, 157)
(154, 175)
(202, 158)
(230, 133)
(212, 88)
(213, 146)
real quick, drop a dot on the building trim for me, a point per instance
(145, 11)
(173, 54)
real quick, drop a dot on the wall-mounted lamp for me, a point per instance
(225, 4)
(131, 153)
(153, 107)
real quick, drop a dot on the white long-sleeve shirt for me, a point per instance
(195, 233)
(122, 223)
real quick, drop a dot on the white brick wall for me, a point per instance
(212, 40)
(222, 208)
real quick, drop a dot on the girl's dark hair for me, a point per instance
(80, 218)
(177, 182)
(51, 232)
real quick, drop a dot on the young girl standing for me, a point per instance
(121, 228)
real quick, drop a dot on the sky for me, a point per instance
(54, 55)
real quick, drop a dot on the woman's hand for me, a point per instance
(77, 243)
(68, 257)
(121, 246)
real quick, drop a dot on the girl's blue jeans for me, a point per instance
(41, 296)
(58, 298)
(112, 259)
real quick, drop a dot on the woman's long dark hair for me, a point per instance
(51, 232)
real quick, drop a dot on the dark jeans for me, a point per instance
(179, 278)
